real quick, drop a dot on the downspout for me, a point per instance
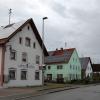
(2, 65)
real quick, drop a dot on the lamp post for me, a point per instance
(43, 19)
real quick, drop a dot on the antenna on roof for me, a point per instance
(10, 12)
(65, 45)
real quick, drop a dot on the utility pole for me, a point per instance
(43, 19)
(10, 12)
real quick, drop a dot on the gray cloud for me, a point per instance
(59, 8)
(73, 21)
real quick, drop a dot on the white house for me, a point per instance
(20, 55)
(86, 65)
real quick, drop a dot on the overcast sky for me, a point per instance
(76, 22)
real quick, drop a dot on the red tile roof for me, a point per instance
(62, 51)
(59, 56)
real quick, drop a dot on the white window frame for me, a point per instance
(12, 69)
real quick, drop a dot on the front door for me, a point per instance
(49, 77)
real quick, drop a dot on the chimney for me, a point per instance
(56, 49)
(61, 49)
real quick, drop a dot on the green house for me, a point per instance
(62, 65)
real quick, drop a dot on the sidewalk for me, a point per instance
(18, 93)
(21, 90)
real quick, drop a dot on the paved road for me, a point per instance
(87, 93)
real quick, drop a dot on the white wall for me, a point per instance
(88, 70)
(0, 59)
(31, 58)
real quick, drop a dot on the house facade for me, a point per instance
(20, 55)
(86, 65)
(62, 65)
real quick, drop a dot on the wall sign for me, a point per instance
(26, 66)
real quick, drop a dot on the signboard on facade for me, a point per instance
(26, 66)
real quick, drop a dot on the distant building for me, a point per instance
(96, 71)
(86, 65)
(20, 55)
(62, 65)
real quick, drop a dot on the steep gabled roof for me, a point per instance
(84, 62)
(9, 31)
(59, 56)
(96, 67)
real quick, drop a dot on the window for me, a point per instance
(44, 67)
(20, 40)
(59, 67)
(24, 57)
(70, 66)
(73, 59)
(28, 27)
(37, 76)
(76, 67)
(13, 55)
(34, 45)
(37, 59)
(59, 76)
(12, 74)
(28, 42)
(76, 76)
(90, 69)
(23, 75)
(73, 67)
(49, 67)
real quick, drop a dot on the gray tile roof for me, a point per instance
(84, 62)
(6, 31)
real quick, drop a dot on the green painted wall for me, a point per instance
(70, 71)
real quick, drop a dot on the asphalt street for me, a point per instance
(86, 93)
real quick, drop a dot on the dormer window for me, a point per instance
(28, 42)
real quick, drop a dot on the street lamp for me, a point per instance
(43, 19)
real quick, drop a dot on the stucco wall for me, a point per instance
(76, 65)
(31, 52)
(89, 70)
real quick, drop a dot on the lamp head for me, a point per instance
(45, 18)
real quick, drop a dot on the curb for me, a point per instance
(44, 92)
(52, 91)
